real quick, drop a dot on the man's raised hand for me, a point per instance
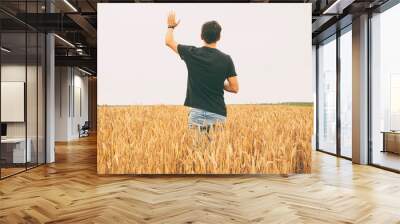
(172, 23)
(169, 36)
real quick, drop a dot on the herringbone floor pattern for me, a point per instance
(70, 191)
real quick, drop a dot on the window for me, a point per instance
(385, 89)
(327, 96)
(346, 93)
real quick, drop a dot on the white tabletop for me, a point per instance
(13, 140)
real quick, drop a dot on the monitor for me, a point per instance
(3, 129)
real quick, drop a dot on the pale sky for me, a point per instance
(270, 45)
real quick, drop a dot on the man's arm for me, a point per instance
(169, 37)
(232, 84)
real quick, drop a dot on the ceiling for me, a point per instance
(75, 22)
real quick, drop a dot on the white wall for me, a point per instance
(62, 81)
(271, 51)
(80, 84)
(68, 83)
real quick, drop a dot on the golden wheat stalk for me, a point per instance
(256, 139)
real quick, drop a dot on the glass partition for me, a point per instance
(14, 153)
(22, 77)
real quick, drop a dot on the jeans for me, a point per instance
(204, 120)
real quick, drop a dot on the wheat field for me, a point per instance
(256, 139)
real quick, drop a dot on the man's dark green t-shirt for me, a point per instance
(208, 68)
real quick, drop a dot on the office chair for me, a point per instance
(84, 130)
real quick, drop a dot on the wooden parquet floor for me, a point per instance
(70, 191)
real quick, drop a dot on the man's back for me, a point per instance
(208, 68)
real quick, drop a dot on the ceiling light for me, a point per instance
(84, 71)
(70, 5)
(338, 6)
(5, 50)
(64, 40)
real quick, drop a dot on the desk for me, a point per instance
(391, 141)
(13, 150)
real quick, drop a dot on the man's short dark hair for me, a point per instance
(211, 32)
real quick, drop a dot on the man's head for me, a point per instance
(211, 32)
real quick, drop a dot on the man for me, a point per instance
(210, 72)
